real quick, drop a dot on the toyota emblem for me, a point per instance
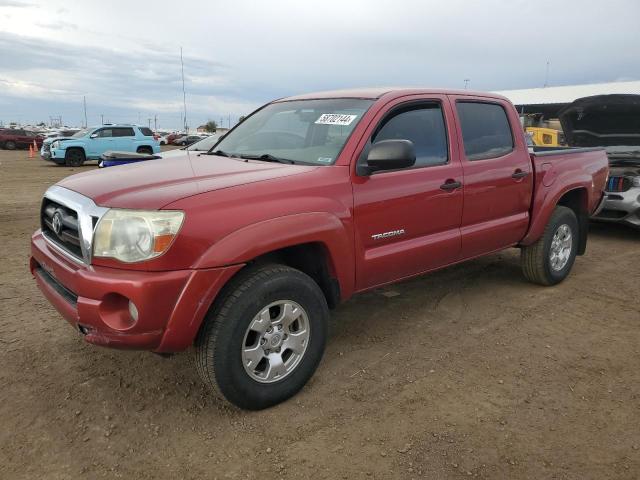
(57, 223)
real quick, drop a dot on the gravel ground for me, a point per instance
(468, 372)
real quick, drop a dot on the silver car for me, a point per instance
(623, 187)
(612, 122)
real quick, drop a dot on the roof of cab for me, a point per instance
(374, 93)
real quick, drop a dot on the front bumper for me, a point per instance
(95, 300)
(57, 154)
(621, 207)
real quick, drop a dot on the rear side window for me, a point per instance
(146, 132)
(424, 126)
(123, 132)
(486, 132)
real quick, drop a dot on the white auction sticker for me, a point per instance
(335, 119)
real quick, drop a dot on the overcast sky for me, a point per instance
(124, 56)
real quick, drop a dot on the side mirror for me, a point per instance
(389, 155)
(93, 135)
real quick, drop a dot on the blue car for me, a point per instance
(91, 143)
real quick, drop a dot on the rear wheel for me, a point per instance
(264, 339)
(10, 145)
(550, 259)
(74, 157)
(147, 150)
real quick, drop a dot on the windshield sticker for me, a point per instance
(325, 159)
(335, 119)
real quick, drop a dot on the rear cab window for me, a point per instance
(486, 132)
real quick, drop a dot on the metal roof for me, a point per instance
(568, 93)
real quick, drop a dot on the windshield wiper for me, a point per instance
(221, 153)
(267, 157)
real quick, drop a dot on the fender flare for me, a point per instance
(543, 208)
(257, 239)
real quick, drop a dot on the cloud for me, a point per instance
(240, 54)
(140, 79)
(14, 3)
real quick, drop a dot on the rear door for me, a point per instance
(124, 139)
(497, 175)
(406, 223)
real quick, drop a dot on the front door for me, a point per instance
(408, 221)
(102, 142)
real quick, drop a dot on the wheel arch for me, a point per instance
(575, 197)
(577, 200)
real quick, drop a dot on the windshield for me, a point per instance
(306, 131)
(205, 144)
(81, 133)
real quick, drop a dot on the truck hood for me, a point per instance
(602, 121)
(156, 183)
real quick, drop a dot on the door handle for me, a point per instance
(450, 185)
(519, 174)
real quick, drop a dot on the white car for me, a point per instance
(203, 145)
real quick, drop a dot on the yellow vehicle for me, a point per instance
(545, 137)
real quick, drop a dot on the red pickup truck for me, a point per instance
(242, 251)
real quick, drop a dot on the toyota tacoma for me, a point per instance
(240, 252)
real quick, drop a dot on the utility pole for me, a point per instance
(84, 101)
(102, 119)
(155, 123)
(149, 119)
(546, 75)
(229, 121)
(466, 82)
(184, 95)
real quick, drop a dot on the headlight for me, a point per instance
(635, 181)
(55, 145)
(135, 235)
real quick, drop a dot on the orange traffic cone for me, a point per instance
(31, 152)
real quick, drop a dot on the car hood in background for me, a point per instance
(602, 121)
(56, 139)
(156, 183)
(176, 152)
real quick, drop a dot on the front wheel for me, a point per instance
(550, 259)
(265, 338)
(74, 157)
(10, 145)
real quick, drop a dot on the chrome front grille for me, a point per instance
(67, 220)
(60, 226)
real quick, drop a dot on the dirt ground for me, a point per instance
(468, 372)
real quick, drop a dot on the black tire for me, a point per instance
(147, 150)
(536, 259)
(218, 352)
(10, 145)
(74, 157)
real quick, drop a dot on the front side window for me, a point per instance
(304, 131)
(486, 132)
(105, 133)
(424, 126)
